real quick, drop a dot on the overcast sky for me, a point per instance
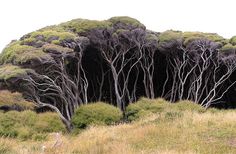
(19, 17)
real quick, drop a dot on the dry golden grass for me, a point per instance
(15, 98)
(165, 133)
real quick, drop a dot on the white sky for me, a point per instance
(18, 17)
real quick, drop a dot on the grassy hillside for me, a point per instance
(164, 128)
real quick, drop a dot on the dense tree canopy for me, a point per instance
(118, 61)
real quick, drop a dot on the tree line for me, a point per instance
(119, 66)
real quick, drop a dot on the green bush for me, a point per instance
(97, 113)
(233, 40)
(144, 107)
(169, 35)
(48, 122)
(27, 124)
(186, 105)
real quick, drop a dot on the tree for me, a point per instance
(127, 53)
(121, 53)
(59, 88)
(201, 73)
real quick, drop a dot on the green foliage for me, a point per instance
(28, 41)
(188, 37)
(144, 107)
(55, 48)
(12, 50)
(233, 40)
(26, 124)
(170, 35)
(126, 21)
(49, 35)
(228, 47)
(84, 25)
(30, 55)
(56, 42)
(8, 98)
(186, 105)
(216, 38)
(48, 122)
(18, 54)
(191, 36)
(152, 37)
(10, 71)
(97, 113)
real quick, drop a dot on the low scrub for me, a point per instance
(170, 131)
(146, 107)
(96, 114)
(29, 125)
(186, 105)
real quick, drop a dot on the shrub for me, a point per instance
(186, 105)
(48, 122)
(97, 113)
(144, 107)
(27, 124)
